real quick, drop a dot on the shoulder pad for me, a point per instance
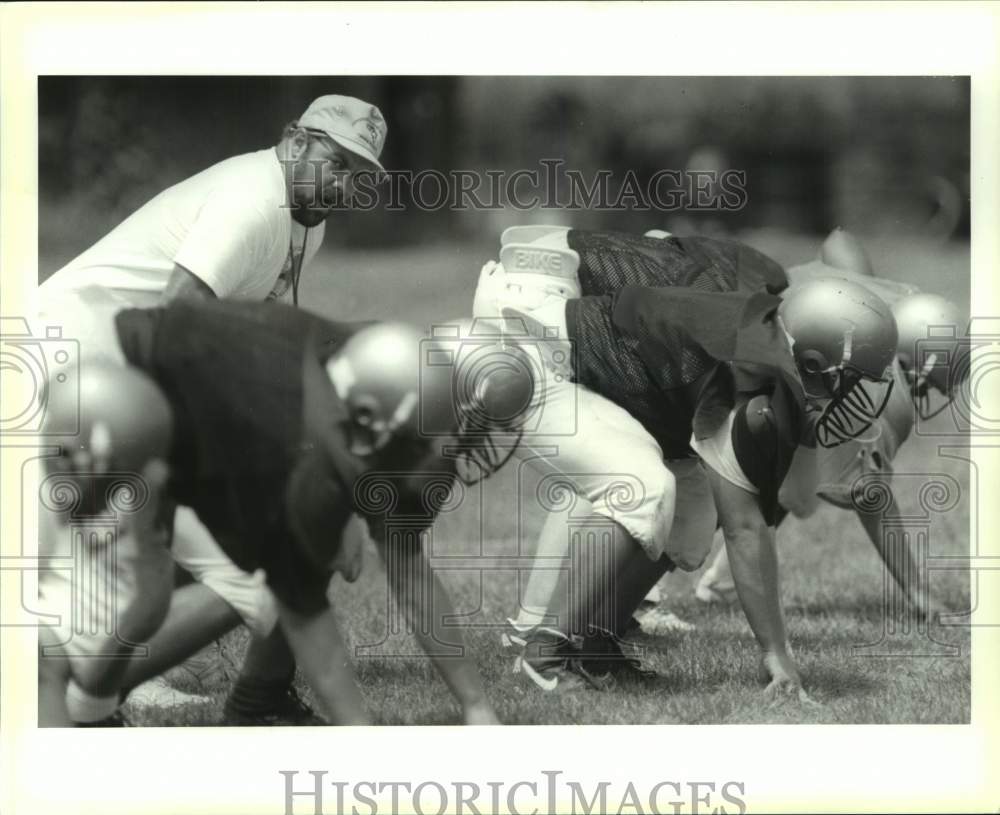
(761, 421)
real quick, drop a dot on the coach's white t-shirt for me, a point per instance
(228, 225)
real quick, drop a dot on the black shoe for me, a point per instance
(287, 709)
(116, 719)
(601, 654)
(550, 659)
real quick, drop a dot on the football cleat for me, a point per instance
(515, 634)
(288, 709)
(550, 659)
(601, 654)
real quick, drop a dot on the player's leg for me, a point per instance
(896, 556)
(197, 617)
(112, 599)
(264, 693)
(609, 544)
(716, 584)
(611, 464)
(688, 542)
(221, 597)
(53, 679)
(550, 554)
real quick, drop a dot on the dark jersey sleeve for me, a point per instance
(318, 508)
(398, 504)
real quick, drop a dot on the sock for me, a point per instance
(251, 695)
(530, 616)
(85, 707)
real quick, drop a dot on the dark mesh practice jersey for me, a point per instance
(260, 451)
(610, 362)
(753, 372)
(610, 260)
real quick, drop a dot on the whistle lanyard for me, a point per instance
(297, 266)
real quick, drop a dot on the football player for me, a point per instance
(836, 472)
(244, 228)
(116, 593)
(707, 372)
(276, 443)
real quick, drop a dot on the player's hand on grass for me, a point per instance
(480, 714)
(779, 670)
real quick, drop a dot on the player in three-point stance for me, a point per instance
(723, 385)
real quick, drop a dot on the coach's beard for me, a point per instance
(309, 215)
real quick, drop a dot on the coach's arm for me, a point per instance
(184, 283)
(754, 563)
(426, 605)
(320, 652)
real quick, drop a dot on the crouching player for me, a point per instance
(713, 371)
(104, 532)
(271, 439)
(833, 474)
(541, 268)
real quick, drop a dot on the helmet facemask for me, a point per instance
(479, 455)
(933, 373)
(854, 399)
(494, 395)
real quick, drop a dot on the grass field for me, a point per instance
(831, 576)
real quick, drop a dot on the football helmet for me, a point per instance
(377, 375)
(123, 422)
(399, 383)
(843, 339)
(929, 349)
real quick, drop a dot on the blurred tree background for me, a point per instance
(882, 156)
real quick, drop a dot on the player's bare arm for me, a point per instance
(898, 559)
(754, 561)
(411, 578)
(319, 650)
